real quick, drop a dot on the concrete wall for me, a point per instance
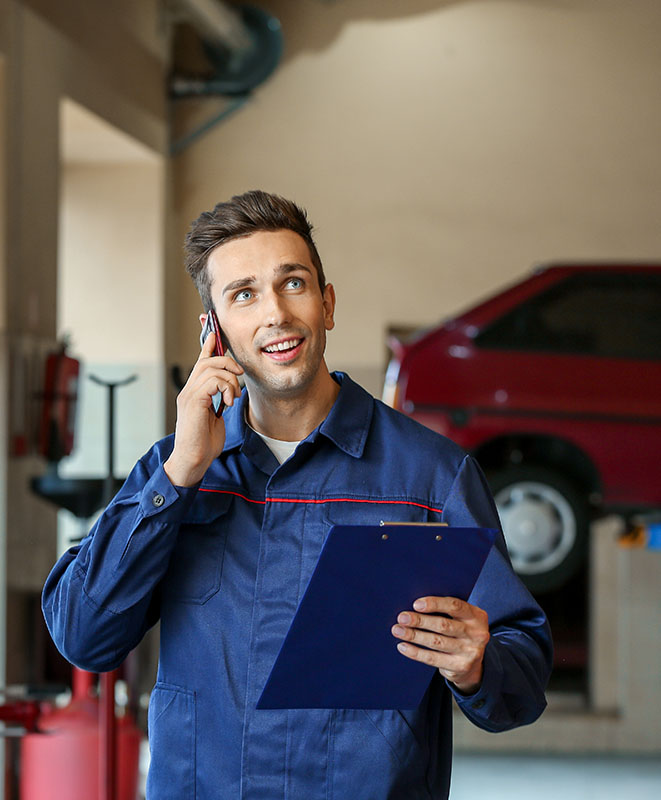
(442, 148)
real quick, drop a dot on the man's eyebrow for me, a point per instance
(240, 283)
(285, 269)
(281, 269)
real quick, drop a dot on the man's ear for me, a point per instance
(329, 307)
(203, 319)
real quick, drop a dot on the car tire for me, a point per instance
(545, 521)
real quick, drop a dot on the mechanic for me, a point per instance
(218, 528)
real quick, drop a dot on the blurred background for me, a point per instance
(442, 148)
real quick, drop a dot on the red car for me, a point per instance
(554, 384)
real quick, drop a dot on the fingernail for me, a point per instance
(402, 647)
(404, 618)
(398, 630)
(419, 605)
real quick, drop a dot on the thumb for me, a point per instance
(208, 348)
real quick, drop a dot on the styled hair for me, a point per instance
(241, 216)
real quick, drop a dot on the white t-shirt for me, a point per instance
(281, 450)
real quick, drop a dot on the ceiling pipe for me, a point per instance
(216, 23)
(243, 45)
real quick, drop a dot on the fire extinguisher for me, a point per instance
(58, 408)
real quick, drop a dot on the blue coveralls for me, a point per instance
(224, 564)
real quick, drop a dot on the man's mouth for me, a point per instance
(289, 344)
(283, 350)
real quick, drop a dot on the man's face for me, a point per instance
(269, 305)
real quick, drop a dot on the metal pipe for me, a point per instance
(107, 739)
(216, 22)
(81, 684)
(109, 489)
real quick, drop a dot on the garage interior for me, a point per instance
(443, 148)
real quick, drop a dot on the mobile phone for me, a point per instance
(211, 326)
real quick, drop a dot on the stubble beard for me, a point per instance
(284, 381)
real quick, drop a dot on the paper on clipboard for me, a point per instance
(339, 651)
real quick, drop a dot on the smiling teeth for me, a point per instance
(274, 348)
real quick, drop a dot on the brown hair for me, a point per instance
(243, 215)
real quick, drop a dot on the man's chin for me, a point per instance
(286, 383)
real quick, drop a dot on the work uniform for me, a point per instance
(224, 564)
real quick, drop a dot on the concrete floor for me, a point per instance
(504, 777)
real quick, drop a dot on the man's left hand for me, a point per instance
(454, 643)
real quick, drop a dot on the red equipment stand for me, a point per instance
(83, 751)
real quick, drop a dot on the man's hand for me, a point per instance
(200, 435)
(455, 643)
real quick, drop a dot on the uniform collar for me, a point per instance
(348, 421)
(346, 425)
(235, 425)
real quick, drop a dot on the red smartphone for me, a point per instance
(211, 326)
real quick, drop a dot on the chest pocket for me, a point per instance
(361, 512)
(196, 565)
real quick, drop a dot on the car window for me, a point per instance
(615, 315)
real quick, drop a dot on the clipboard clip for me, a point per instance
(384, 524)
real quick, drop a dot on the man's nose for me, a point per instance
(277, 312)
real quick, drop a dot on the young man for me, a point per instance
(218, 529)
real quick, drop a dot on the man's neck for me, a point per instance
(291, 418)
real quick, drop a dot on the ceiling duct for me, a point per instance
(242, 43)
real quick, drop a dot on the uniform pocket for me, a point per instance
(374, 511)
(196, 565)
(171, 724)
(377, 750)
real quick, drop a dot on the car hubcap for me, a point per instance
(539, 526)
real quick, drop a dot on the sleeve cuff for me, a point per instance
(159, 496)
(483, 701)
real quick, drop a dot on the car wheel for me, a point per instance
(545, 522)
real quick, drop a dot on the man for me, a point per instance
(218, 529)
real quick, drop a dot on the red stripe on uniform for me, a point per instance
(327, 500)
(236, 494)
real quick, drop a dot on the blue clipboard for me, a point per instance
(339, 651)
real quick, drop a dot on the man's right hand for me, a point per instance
(199, 434)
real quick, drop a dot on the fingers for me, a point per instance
(466, 621)
(452, 637)
(451, 664)
(212, 374)
(464, 670)
(202, 386)
(430, 641)
(225, 362)
(437, 632)
(453, 606)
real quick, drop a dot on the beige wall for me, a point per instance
(443, 148)
(110, 288)
(110, 299)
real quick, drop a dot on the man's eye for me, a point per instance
(295, 283)
(243, 295)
